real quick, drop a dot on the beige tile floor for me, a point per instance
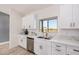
(4, 50)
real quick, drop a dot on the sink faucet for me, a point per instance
(46, 35)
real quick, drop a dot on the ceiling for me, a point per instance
(24, 9)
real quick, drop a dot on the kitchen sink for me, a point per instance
(44, 37)
(40, 37)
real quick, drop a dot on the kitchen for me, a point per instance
(61, 39)
(37, 29)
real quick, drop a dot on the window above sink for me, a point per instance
(49, 24)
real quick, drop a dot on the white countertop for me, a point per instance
(66, 40)
(31, 36)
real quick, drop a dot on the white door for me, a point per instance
(76, 16)
(65, 18)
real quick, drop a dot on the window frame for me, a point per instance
(50, 18)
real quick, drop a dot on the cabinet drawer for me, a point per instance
(71, 50)
(58, 46)
(56, 51)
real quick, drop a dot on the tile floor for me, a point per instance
(4, 50)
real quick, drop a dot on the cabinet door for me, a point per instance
(23, 41)
(48, 47)
(25, 22)
(65, 18)
(29, 22)
(39, 47)
(33, 22)
(76, 16)
(36, 46)
(42, 47)
(45, 47)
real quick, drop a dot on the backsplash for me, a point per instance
(69, 32)
(66, 32)
(32, 31)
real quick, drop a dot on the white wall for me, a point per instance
(48, 12)
(45, 13)
(15, 28)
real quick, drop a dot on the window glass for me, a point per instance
(49, 25)
(45, 26)
(53, 25)
(41, 26)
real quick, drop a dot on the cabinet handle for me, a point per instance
(41, 47)
(21, 40)
(58, 46)
(67, 54)
(73, 24)
(29, 26)
(58, 50)
(76, 50)
(70, 24)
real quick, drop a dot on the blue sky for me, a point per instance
(52, 24)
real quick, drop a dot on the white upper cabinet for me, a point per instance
(65, 18)
(69, 15)
(76, 16)
(29, 22)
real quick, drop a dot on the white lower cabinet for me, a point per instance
(37, 47)
(63, 49)
(72, 50)
(46, 47)
(42, 47)
(58, 49)
(23, 41)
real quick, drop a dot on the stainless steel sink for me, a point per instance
(44, 37)
(40, 37)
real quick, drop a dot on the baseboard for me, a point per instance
(4, 43)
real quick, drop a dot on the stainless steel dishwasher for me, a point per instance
(30, 44)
